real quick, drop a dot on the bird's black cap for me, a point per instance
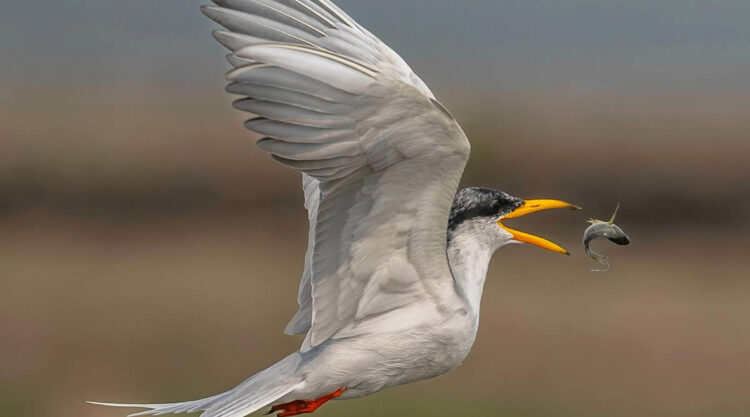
(475, 202)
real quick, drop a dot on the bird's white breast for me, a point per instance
(368, 363)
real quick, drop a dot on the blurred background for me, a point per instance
(149, 253)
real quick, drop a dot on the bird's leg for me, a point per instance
(304, 406)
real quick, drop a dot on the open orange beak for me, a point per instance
(531, 206)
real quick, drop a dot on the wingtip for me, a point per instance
(246, 52)
(218, 34)
(211, 11)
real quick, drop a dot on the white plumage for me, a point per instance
(344, 109)
(383, 300)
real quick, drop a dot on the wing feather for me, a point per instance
(301, 136)
(288, 97)
(274, 77)
(292, 114)
(380, 159)
(328, 67)
(277, 11)
(259, 26)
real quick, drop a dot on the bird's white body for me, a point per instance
(369, 363)
(431, 341)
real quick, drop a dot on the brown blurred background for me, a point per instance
(149, 253)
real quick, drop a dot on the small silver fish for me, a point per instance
(602, 229)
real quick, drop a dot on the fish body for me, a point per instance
(607, 230)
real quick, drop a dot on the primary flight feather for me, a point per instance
(396, 259)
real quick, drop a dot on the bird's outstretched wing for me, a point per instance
(381, 158)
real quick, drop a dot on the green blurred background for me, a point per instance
(149, 253)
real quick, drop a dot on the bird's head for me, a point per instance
(478, 214)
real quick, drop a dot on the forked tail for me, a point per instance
(256, 392)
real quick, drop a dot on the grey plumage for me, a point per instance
(384, 298)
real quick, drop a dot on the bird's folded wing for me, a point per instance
(380, 157)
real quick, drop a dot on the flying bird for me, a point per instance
(396, 258)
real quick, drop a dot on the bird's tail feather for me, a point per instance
(166, 408)
(256, 392)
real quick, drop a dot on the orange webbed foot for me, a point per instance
(298, 407)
